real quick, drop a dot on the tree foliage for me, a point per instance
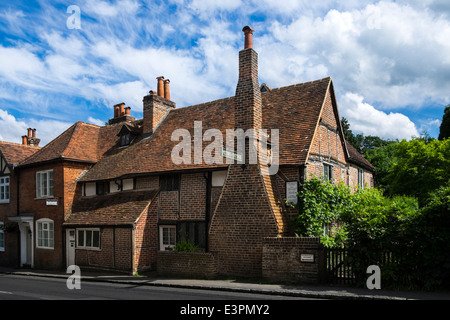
(419, 167)
(372, 225)
(444, 131)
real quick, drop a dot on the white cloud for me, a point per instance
(97, 122)
(364, 118)
(12, 129)
(99, 8)
(390, 53)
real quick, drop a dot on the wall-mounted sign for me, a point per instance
(52, 202)
(307, 258)
(231, 155)
(291, 191)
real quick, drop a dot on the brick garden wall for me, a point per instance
(192, 264)
(282, 260)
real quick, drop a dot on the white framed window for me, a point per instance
(4, 189)
(45, 234)
(361, 178)
(44, 184)
(88, 239)
(328, 172)
(2, 238)
(167, 237)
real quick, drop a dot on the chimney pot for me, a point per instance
(29, 132)
(160, 86)
(34, 133)
(167, 89)
(248, 37)
(25, 140)
(152, 92)
(127, 111)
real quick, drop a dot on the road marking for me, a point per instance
(6, 292)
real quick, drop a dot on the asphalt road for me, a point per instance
(13, 287)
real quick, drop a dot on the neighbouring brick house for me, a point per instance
(11, 154)
(121, 202)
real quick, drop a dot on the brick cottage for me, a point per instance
(112, 197)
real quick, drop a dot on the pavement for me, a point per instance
(305, 291)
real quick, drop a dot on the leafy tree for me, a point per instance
(419, 168)
(383, 158)
(444, 131)
(355, 140)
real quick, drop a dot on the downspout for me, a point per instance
(208, 178)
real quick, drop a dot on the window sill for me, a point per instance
(87, 248)
(45, 248)
(45, 198)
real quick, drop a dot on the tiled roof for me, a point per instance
(15, 153)
(294, 110)
(357, 158)
(81, 142)
(122, 208)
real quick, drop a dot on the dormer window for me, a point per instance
(127, 135)
(125, 139)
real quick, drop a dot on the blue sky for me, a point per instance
(389, 60)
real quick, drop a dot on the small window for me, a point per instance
(125, 139)
(169, 182)
(167, 237)
(328, 172)
(44, 184)
(45, 234)
(4, 189)
(88, 239)
(2, 238)
(102, 188)
(361, 178)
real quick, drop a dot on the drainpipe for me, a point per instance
(208, 178)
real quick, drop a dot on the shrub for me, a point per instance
(185, 245)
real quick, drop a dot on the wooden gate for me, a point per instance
(338, 267)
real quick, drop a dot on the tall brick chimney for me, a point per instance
(247, 201)
(156, 106)
(248, 102)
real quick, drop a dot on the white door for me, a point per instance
(70, 247)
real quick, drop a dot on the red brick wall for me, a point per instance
(115, 253)
(282, 260)
(10, 257)
(44, 258)
(193, 196)
(146, 239)
(191, 264)
(64, 185)
(242, 219)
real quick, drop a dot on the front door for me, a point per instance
(70, 247)
(28, 247)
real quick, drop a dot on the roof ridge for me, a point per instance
(302, 84)
(19, 144)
